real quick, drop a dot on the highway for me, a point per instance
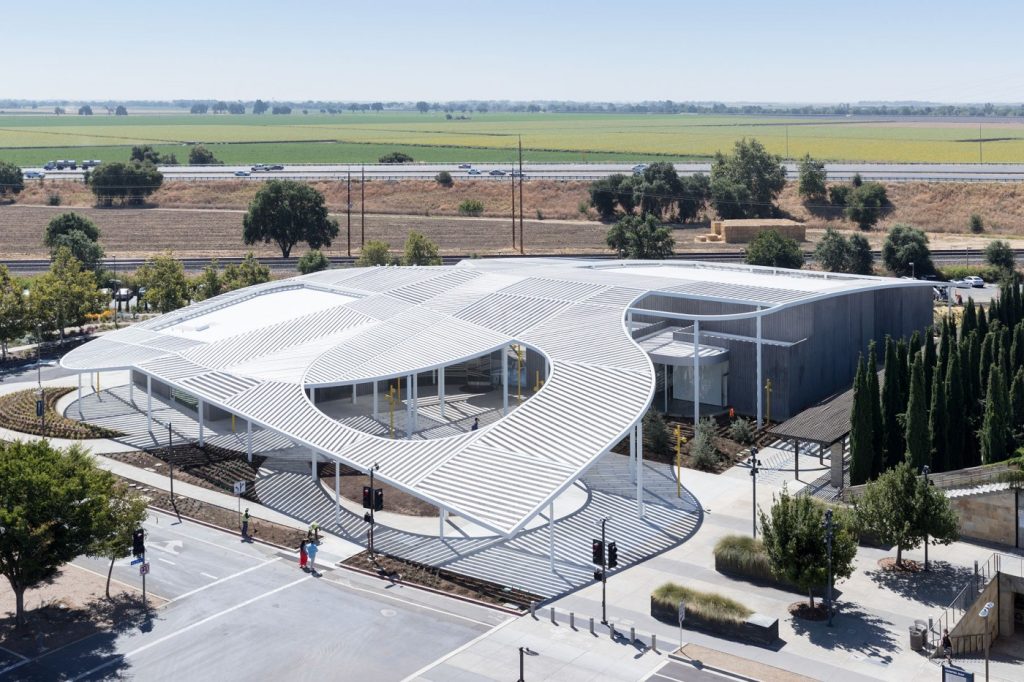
(278, 264)
(889, 172)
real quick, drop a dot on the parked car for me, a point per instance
(496, 172)
(465, 165)
(474, 171)
(960, 283)
(242, 173)
(34, 175)
(975, 281)
(123, 294)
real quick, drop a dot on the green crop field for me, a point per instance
(363, 137)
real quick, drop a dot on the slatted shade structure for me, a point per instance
(256, 352)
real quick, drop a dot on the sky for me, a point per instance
(437, 50)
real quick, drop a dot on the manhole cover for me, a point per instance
(388, 613)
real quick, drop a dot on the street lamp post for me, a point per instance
(926, 470)
(984, 616)
(524, 651)
(373, 505)
(604, 571)
(39, 378)
(829, 532)
(754, 464)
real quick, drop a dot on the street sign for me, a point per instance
(239, 487)
(39, 408)
(136, 561)
(144, 568)
(950, 674)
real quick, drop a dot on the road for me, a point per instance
(245, 611)
(892, 172)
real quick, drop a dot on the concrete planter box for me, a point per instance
(758, 629)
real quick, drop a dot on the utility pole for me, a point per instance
(513, 178)
(521, 247)
(348, 213)
(980, 156)
(362, 207)
(604, 572)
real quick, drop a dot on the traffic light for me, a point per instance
(378, 499)
(138, 542)
(613, 555)
(598, 575)
(597, 548)
(367, 503)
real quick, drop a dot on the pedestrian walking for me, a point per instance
(313, 534)
(311, 551)
(947, 647)
(476, 424)
(245, 525)
(302, 555)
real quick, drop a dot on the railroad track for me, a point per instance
(278, 264)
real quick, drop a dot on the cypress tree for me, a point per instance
(1017, 347)
(1017, 404)
(860, 428)
(945, 335)
(938, 423)
(970, 322)
(974, 355)
(995, 428)
(985, 361)
(929, 359)
(904, 374)
(878, 437)
(892, 407)
(951, 323)
(983, 323)
(956, 415)
(915, 344)
(1005, 346)
(919, 449)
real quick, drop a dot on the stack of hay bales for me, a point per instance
(743, 231)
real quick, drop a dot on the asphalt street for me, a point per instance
(935, 172)
(246, 611)
(674, 671)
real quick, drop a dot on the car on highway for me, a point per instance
(50, 165)
(465, 165)
(91, 163)
(639, 168)
(259, 167)
(242, 173)
(474, 171)
(34, 175)
(975, 281)
(496, 172)
(274, 167)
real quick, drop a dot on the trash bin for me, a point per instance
(916, 637)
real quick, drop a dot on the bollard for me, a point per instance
(553, 620)
(611, 630)
(592, 626)
(632, 635)
(533, 610)
(572, 620)
(654, 643)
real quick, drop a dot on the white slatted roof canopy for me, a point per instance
(254, 351)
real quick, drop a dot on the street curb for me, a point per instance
(468, 600)
(220, 528)
(721, 671)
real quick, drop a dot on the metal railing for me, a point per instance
(983, 574)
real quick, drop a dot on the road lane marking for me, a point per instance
(459, 650)
(211, 577)
(406, 601)
(185, 629)
(222, 548)
(225, 578)
(137, 588)
(166, 561)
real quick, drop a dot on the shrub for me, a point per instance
(986, 272)
(999, 254)
(583, 207)
(395, 157)
(742, 431)
(540, 215)
(708, 605)
(865, 203)
(471, 207)
(313, 261)
(702, 448)
(444, 178)
(656, 432)
(53, 199)
(838, 194)
(976, 224)
(771, 249)
(743, 555)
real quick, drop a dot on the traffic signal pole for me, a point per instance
(604, 574)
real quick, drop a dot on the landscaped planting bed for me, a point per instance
(209, 467)
(18, 413)
(712, 612)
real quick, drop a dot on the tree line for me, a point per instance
(952, 398)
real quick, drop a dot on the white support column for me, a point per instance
(149, 403)
(760, 383)
(354, 391)
(80, 396)
(640, 469)
(440, 388)
(666, 390)
(248, 439)
(131, 386)
(408, 406)
(202, 419)
(376, 401)
(696, 373)
(504, 380)
(632, 454)
(415, 404)
(551, 534)
(337, 492)
(312, 467)
(443, 520)
(312, 395)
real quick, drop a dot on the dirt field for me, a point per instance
(205, 219)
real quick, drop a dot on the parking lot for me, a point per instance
(246, 611)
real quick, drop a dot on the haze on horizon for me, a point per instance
(797, 51)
